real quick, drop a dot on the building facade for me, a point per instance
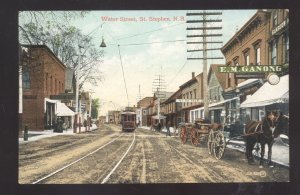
(42, 75)
(192, 96)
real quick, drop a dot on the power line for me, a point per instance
(139, 34)
(123, 75)
(177, 73)
(152, 42)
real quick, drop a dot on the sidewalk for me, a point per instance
(36, 135)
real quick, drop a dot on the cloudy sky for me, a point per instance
(142, 57)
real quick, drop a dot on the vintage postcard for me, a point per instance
(154, 97)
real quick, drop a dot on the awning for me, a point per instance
(160, 117)
(269, 94)
(63, 110)
(212, 106)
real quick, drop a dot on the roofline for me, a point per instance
(243, 28)
(48, 49)
(190, 81)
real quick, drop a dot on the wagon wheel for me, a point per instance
(219, 145)
(183, 134)
(194, 136)
(210, 141)
(256, 150)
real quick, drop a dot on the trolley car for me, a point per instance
(128, 121)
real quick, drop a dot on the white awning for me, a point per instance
(63, 110)
(216, 104)
(269, 94)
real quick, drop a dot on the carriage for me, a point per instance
(255, 133)
(203, 131)
(128, 121)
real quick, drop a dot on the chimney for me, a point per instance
(193, 74)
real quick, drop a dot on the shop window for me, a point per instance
(26, 79)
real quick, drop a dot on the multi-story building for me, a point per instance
(192, 96)
(43, 74)
(270, 97)
(278, 38)
(171, 109)
(141, 111)
(263, 40)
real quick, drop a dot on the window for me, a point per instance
(187, 97)
(257, 56)
(51, 80)
(183, 99)
(246, 57)
(274, 53)
(275, 18)
(47, 82)
(26, 79)
(195, 93)
(287, 48)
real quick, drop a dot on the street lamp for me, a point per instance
(102, 43)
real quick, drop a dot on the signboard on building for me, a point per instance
(189, 100)
(249, 69)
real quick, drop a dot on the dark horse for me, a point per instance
(264, 133)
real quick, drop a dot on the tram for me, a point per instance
(128, 121)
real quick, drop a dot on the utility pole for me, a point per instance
(205, 24)
(158, 86)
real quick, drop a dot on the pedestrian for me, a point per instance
(168, 129)
(158, 127)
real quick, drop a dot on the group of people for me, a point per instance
(158, 127)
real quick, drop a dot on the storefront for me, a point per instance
(217, 111)
(66, 114)
(268, 97)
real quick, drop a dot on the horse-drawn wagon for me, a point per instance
(255, 134)
(203, 131)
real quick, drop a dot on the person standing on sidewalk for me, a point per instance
(168, 129)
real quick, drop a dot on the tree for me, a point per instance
(67, 42)
(95, 107)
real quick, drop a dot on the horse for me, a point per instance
(264, 133)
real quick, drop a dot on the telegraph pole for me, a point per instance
(158, 85)
(204, 25)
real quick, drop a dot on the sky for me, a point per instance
(142, 62)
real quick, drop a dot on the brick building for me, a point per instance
(43, 74)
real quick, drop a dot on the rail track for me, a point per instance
(94, 152)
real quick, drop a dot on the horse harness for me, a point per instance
(260, 131)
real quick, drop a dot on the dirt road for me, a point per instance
(153, 158)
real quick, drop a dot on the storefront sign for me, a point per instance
(189, 100)
(280, 26)
(249, 69)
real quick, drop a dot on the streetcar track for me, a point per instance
(143, 176)
(116, 166)
(70, 164)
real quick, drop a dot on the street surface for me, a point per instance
(152, 158)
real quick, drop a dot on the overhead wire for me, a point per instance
(159, 29)
(123, 74)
